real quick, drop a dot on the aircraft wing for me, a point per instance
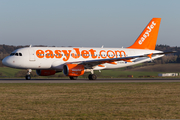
(91, 63)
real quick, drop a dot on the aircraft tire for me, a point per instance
(92, 77)
(28, 77)
(73, 78)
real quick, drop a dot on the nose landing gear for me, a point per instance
(28, 76)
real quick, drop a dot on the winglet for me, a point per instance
(148, 38)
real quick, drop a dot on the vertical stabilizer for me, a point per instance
(148, 38)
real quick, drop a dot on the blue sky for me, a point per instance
(86, 23)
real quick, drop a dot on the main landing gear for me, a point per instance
(28, 76)
(92, 77)
(73, 78)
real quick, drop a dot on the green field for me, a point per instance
(117, 73)
(137, 71)
(90, 101)
(8, 72)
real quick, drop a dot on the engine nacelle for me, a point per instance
(45, 72)
(73, 70)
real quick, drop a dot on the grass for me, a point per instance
(90, 101)
(173, 67)
(9, 72)
(117, 73)
(125, 73)
(151, 70)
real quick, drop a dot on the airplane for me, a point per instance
(75, 61)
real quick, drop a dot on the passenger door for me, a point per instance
(31, 55)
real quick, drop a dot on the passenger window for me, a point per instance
(16, 54)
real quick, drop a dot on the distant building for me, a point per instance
(167, 74)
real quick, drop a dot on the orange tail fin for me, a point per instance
(148, 38)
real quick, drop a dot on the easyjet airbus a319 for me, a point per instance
(76, 61)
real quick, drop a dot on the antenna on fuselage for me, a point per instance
(102, 46)
(30, 45)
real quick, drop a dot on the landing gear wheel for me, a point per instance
(92, 77)
(73, 78)
(28, 77)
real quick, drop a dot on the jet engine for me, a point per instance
(73, 70)
(45, 72)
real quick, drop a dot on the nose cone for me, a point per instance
(6, 61)
(9, 61)
(13, 62)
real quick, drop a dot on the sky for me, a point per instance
(86, 23)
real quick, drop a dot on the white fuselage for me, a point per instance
(56, 57)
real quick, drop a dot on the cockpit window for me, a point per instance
(12, 54)
(16, 54)
(20, 54)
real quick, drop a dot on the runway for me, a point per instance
(122, 80)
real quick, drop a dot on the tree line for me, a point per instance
(168, 58)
